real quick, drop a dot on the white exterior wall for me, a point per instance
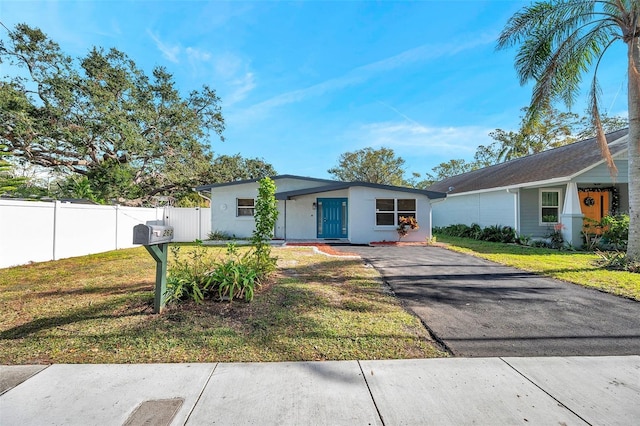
(485, 209)
(302, 217)
(41, 231)
(362, 216)
(223, 209)
(297, 218)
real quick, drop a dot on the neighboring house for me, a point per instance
(318, 209)
(533, 194)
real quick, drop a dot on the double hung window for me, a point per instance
(245, 207)
(550, 206)
(389, 210)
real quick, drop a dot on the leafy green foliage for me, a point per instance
(237, 277)
(561, 41)
(189, 278)
(494, 233)
(132, 135)
(230, 168)
(446, 170)
(7, 181)
(198, 276)
(379, 166)
(611, 232)
(617, 260)
(266, 214)
(556, 239)
(217, 235)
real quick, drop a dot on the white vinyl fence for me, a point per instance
(188, 224)
(32, 231)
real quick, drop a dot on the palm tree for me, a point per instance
(559, 40)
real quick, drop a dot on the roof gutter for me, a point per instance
(202, 196)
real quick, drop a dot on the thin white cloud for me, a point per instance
(242, 87)
(363, 73)
(197, 55)
(411, 138)
(235, 71)
(170, 52)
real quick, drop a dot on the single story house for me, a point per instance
(554, 189)
(320, 209)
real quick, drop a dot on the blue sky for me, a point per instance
(303, 82)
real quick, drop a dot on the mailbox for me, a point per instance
(155, 237)
(152, 234)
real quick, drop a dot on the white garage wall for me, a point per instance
(485, 209)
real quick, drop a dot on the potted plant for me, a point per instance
(404, 224)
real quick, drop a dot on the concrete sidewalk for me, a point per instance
(451, 391)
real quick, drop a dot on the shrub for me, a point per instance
(220, 236)
(189, 278)
(617, 260)
(405, 222)
(496, 233)
(610, 232)
(266, 214)
(556, 240)
(616, 230)
(198, 276)
(237, 277)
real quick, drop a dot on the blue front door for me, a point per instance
(332, 217)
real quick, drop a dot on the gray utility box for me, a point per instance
(152, 234)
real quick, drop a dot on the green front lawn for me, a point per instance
(571, 266)
(98, 309)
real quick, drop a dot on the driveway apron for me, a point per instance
(479, 308)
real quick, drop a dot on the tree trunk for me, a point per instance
(633, 249)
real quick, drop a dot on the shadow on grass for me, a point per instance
(105, 310)
(305, 315)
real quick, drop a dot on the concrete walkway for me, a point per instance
(451, 391)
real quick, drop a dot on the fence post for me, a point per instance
(56, 205)
(117, 214)
(198, 210)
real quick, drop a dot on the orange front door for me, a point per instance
(595, 206)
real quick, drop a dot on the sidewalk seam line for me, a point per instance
(546, 392)
(364, 377)
(186, 420)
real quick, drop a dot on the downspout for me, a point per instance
(202, 196)
(516, 208)
(431, 203)
(285, 220)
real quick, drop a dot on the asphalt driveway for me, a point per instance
(479, 308)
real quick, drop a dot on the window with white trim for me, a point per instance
(389, 210)
(245, 206)
(550, 206)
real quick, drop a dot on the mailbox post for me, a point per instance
(155, 239)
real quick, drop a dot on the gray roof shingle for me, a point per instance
(559, 162)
